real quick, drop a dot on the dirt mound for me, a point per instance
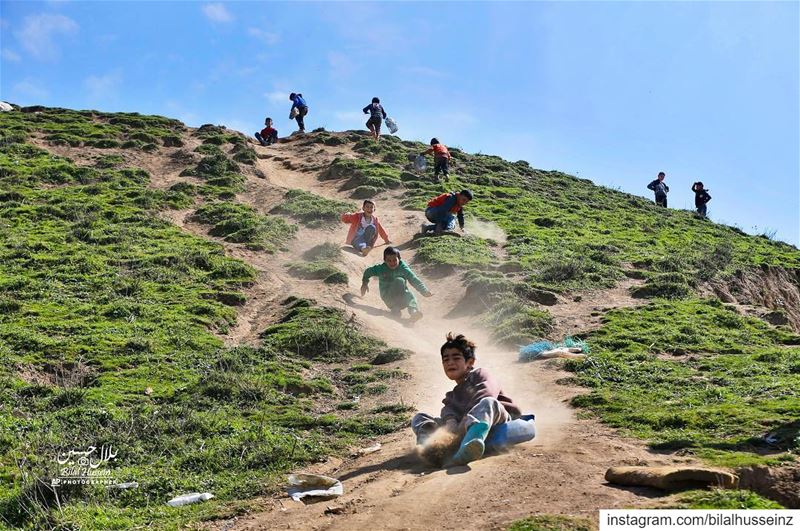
(772, 287)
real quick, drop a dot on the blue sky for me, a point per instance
(609, 91)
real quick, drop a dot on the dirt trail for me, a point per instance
(559, 472)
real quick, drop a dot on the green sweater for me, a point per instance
(386, 276)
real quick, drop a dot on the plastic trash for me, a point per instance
(314, 485)
(420, 164)
(6, 107)
(370, 450)
(123, 486)
(517, 431)
(192, 497)
(391, 124)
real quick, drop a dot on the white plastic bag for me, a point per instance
(192, 497)
(420, 164)
(391, 124)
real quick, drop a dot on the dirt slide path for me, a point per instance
(559, 472)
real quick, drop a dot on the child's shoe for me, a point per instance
(415, 315)
(472, 445)
(395, 312)
(424, 229)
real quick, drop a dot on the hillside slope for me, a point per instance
(171, 302)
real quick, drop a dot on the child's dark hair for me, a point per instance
(461, 343)
(292, 96)
(376, 100)
(434, 141)
(466, 193)
(267, 119)
(697, 186)
(662, 173)
(367, 202)
(390, 251)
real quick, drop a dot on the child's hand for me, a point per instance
(364, 289)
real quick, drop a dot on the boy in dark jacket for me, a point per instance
(474, 405)
(376, 113)
(268, 135)
(441, 158)
(660, 189)
(701, 198)
(443, 210)
(299, 110)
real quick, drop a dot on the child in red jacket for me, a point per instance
(441, 158)
(364, 228)
(268, 135)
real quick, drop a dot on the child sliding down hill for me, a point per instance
(364, 228)
(470, 410)
(393, 279)
(443, 211)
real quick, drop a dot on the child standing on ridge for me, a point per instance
(701, 198)
(299, 110)
(376, 112)
(364, 228)
(441, 158)
(268, 135)
(474, 405)
(443, 210)
(660, 189)
(393, 279)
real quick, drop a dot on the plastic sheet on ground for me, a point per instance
(314, 486)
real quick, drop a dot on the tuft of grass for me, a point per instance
(312, 210)
(465, 251)
(241, 224)
(723, 499)
(552, 523)
(320, 270)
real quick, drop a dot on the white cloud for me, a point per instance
(38, 33)
(103, 87)
(277, 96)
(267, 37)
(217, 13)
(10, 55)
(30, 90)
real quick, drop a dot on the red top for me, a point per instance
(268, 131)
(354, 219)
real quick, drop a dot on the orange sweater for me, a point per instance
(354, 219)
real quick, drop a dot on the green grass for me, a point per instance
(723, 499)
(552, 523)
(241, 224)
(313, 210)
(320, 270)
(696, 376)
(466, 251)
(363, 177)
(108, 323)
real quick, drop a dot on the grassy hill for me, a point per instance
(111, 317)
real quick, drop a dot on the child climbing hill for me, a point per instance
(394, 275)
(376, 113)
(441, 158)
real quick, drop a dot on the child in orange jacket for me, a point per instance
(364, 228)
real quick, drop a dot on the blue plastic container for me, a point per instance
(517, 431)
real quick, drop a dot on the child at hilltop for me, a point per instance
(660, 188)
(268, 135)
(299, 110)
(470, 410)
(444, 209)
(394, 275)
(701, 198)
(376, 112)
(364, 228)
(441, 158)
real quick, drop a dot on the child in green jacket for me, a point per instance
(393, 279)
